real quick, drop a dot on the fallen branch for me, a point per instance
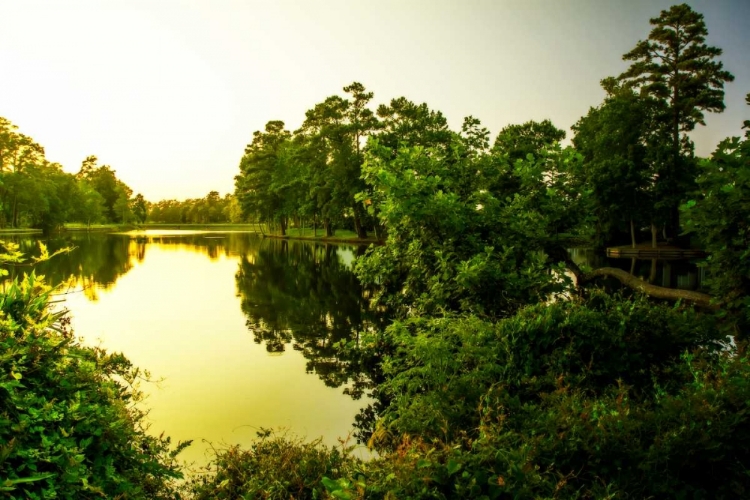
(659, 292)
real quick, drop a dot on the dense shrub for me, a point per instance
(274, 467)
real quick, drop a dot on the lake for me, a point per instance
(239, 330)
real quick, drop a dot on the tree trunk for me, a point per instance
(652, 274)
(632, 234)
(328, 227)
(654, 232)
(378, 231)
(282, 226)
(360, 230)
(14, 220)
(315, 225)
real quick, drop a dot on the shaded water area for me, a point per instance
(240, 329)
(679, 273)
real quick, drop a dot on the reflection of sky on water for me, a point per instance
(177, 313)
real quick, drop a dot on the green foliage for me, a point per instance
(720, 218)
(442, 367)
(676, 67)
(603, 398)
(519, 141)
(211, 209)
(114, 193)
(70, 426)
(598, 398)
(140, 208)
(403, 122)
(620, 169)
(457, 227)
(274, 467)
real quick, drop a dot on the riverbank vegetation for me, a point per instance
(37, 193)
(505, 371)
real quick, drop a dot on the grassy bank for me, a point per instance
(339, 236)
(75, 226)
(17, 230)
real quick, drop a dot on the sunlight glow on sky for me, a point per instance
(169, 92)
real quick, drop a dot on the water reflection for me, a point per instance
(682, 274)
(305, 296)
(233, 323)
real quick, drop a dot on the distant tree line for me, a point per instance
(209, 210)
(35, 192)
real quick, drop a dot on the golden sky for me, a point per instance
(169, 92)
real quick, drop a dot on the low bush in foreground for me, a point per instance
(275, 466)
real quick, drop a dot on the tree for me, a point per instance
(404, 122)
(140, 208)
(91, 204)
(615, 140)
(89, 164)
(518, 141)
(261, 161)
(335, 131)
(361, 123)
(720, 217)
(674, 65)
(18, 154)
(232, 210)
(457, 238)
(122, 208)
(104, 180)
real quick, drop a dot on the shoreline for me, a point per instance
(323, 239)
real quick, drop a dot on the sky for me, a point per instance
(169, 92)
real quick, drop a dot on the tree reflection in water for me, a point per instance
(294, 294)
(305, 296)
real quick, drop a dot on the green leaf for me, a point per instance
(11, 482)
(453, 467)
(330, 484)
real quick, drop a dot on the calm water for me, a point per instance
(240, 329)
(682, 274)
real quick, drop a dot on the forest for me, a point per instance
(505, 370)
(37, 193)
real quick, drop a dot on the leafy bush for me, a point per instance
(720, 218)
(592, 399)
(275, 467)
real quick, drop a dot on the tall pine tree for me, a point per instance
(675, 66)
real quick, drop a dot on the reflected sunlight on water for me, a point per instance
(179, 314)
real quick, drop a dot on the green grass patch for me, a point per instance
(19, 230)
(242, 227)
(340, 234)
